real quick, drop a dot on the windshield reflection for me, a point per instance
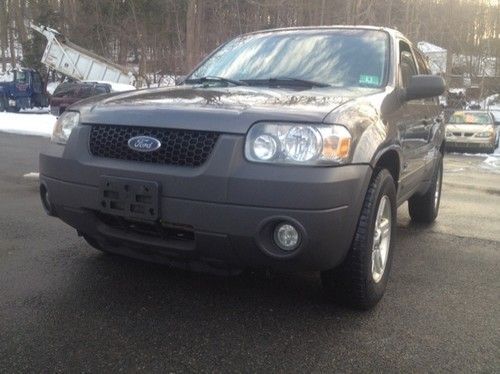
(341, 58)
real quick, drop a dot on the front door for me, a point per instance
(414, 127)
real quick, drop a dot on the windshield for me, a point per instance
(21, 76)
(471, 118)
(340, 58)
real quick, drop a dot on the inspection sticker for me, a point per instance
(371, 80)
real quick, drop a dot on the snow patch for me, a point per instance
(7, 77)
(51, 87)
(32, 122)
(492, 163)
(33, 175)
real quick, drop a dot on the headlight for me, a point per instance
(64, 126)
(300, 144)
(484, 134)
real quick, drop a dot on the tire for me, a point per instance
(359, 281)
(425, 208)
(13, 109)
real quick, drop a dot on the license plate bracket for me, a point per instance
(129, 198)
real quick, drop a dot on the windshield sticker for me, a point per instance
(371, 80)
(469, 118)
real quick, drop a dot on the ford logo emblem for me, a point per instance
(144, 143)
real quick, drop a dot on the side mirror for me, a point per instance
(180, 79)
(423, 86)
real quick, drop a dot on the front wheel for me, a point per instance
(362, 278)
(492, 149)
(14, 109)
(425, 208)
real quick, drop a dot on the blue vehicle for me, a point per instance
(21, 89)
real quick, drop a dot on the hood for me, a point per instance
(224, 109)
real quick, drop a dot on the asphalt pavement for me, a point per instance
(65, 307)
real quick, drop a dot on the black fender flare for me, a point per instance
(384, 150)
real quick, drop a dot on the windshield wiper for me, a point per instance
(216, 79)
(286, 81)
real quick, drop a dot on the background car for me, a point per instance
(70, 92)
(472, 130)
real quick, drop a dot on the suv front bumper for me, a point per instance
(223, 213)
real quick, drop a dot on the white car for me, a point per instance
(472, 130)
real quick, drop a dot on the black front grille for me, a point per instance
(178, 147)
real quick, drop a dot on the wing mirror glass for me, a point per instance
(424, 86)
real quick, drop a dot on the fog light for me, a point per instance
(286, 237)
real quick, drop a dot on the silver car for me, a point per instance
(472, 130)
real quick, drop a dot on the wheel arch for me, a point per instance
(389, 158)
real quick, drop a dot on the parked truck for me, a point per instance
(25, 88)
(78, 63)
(21, 89)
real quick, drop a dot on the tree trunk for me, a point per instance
(3, 33)
(11, 36)
(193, 20)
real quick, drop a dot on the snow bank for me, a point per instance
(33, 122)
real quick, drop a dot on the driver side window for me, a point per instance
(407, 64)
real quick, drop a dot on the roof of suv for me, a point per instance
(390, 31)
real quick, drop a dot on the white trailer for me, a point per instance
(436, 56)
(76, 62)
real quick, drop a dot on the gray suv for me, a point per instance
(285, 149)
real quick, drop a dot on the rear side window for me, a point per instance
(84, 92)
(65, 90)
(100, 90)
